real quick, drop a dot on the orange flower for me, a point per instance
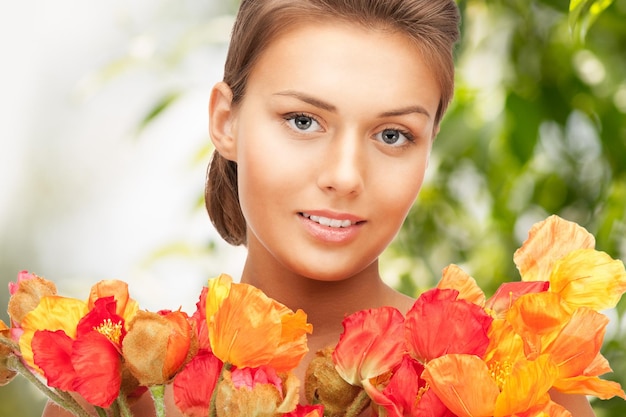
(157, 345)
(239, 316)
(563, 253)
(468, 387)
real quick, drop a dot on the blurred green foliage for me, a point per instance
(537, 127)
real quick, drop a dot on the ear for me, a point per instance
(221, 120)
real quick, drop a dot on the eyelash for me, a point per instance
(406, 133)
(292, 116)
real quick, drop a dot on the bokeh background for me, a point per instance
(103, 149)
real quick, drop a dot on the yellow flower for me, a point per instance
(53, 313)
(589, 278)
(548, 241)
(249, 329)
(563, 253)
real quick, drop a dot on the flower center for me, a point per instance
(499, 372)
(112, 331)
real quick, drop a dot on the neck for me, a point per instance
(325, 302)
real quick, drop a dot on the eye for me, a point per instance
(394, 137)
(303, 123)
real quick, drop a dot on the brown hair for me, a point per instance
(433, 25)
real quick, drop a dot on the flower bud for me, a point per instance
(324, 385)
(157, 346)
(6, 374)
(26, 293)
(256, 392)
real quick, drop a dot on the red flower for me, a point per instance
(194, 385)
(439, 323)
(371, 344)
(306, 411)
(91, 363)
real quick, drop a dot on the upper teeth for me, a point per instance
(325, 221)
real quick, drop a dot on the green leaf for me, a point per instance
(160, 106)
(582, 15)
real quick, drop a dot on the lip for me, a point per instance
(330, 234)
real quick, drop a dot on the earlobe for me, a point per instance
(220, 121)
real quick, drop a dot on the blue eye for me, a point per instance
(394, 137)
(303, 123)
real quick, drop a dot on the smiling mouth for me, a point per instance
(325, 221)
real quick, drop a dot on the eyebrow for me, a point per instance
(329, 107)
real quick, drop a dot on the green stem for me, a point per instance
(158, 396)
(61, 398)
(101, 412)
(359, 404)
(122, 403)
(10, 343)
(115, 409)
(213, 405)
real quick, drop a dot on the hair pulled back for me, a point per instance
(433, 25)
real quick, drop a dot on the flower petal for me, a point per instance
(579, 342)
(126, 307)
(306, 411)
(400, 396)
(246, 316)
(371, 344)
(26, 294)
(52, 354)
(589, 278)
(538, 318)
(218, 291)
(103, 318)
(438, 323)
(527, 385)
(98, 368)
(194, 385)
(455, 278)
(156, 345)
(590, 385)
(463, 383)
(549, 241)
(509, 292)
(53, 313)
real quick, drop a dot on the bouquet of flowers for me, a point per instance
(455, 353)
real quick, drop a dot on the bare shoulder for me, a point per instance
(398, 300)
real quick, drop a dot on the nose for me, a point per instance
(343, 167)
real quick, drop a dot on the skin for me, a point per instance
(338, 121)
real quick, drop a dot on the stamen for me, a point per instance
(112, 331)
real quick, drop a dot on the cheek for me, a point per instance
(399, 195)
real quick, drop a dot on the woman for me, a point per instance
(323, 127)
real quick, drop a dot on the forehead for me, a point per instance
(345, 62)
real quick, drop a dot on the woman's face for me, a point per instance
(331, 141)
